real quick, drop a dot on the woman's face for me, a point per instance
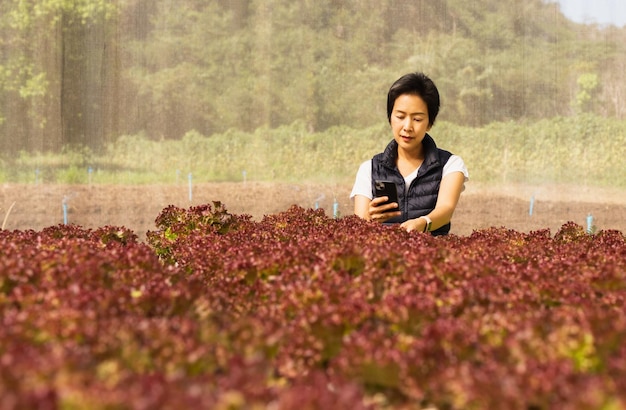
(409, 122)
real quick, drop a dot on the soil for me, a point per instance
(518, 207)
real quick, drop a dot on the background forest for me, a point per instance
(81, 74)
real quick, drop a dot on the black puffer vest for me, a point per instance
(422, 194)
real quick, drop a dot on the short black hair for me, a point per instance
(416, 84)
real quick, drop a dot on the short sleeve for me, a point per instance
(363, 182)
(455, 164)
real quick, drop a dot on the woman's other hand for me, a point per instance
(417, 224)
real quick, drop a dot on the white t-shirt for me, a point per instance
(363, 183)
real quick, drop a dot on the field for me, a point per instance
(136, 207)
(158, 297)
(298, 310)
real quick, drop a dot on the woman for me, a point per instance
(429, 180)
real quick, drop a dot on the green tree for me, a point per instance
(84, 72)
(55, 72)
(588, 90)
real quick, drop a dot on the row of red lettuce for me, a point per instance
(219, 311)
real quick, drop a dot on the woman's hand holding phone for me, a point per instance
(384, 206)
(381, 210)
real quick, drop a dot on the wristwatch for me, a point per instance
(429, 222)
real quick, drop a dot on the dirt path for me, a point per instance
(136, 207)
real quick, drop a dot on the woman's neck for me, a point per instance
(409, 161)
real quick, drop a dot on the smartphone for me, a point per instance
(388, 189)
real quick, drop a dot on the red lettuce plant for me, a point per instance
(302, 310)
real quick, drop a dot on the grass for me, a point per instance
(586, 150)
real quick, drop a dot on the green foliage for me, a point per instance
(585, 150)
(587, 92)
(287, 153)
(3, 173)
(296, 91)
(24, 14)
(71, 175)
(174, 224)
(314, 62)
(37, 70)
